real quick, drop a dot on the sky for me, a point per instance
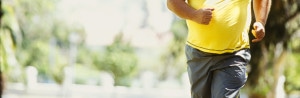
(143, 22)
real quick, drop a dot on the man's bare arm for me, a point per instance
(183, 10)
(261, 10)
(180, 8)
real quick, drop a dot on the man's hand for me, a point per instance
(203, 16)
(258, 31)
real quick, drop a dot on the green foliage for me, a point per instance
(32, 26)
(85, 74)
(172, 57)
(57, 74)
(120, 59)
(87, 57)
(49, 61)
(259, 91)
(292, 73)
(57, 61)
(5, 46)
(37, 54)
(179, 31)
(9, 32)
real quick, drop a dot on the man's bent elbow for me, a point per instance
(170, 4)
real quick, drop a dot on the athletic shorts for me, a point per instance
(216, 75)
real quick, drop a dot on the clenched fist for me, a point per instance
(203, 16)
(258, 31)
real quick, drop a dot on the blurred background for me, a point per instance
(127, 49)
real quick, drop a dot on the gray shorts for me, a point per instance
(216, 75)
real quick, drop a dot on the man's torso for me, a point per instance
(228, 29)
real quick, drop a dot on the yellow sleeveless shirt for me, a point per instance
(227, 31)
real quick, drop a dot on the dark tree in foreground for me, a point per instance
(269, 56)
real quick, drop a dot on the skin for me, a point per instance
(183, 10)
(204, 15)
(261, 10)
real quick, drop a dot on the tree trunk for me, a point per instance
(1, 84)
(278, 68)
(255, 96)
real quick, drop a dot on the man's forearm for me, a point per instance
(261, 10)
(181, 8)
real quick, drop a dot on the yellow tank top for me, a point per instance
(227, 31)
